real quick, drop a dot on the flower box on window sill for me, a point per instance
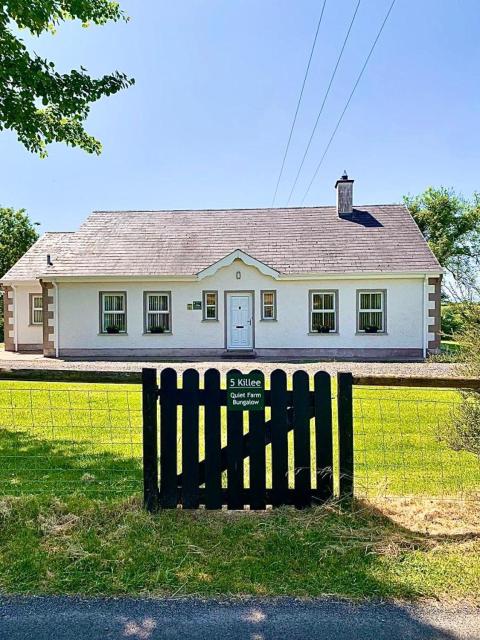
(156, 330)
(372, 329)
(112, 330)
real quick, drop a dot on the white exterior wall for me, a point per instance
(27, 334)
(79, 313)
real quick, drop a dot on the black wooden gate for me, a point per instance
(299, 430)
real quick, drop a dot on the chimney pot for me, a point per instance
(344, 188)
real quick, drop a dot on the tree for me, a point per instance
(17, 234)
(451, 226)
(38, 103)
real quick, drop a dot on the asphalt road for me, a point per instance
(52, 618)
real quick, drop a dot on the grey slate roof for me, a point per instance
(377, 238)
(34, 261)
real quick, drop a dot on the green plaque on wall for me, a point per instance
(197, 304)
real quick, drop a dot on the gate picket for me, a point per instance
(278, 385)
(168, 439)
(235, 466)
(257, 455)
(213, 442)
(301, 439)
(323, 434)
(190, 440)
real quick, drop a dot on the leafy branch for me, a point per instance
(38, 103)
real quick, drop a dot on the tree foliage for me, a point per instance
(451, 226)
(453, 318)
(40, 104)
(17, 234)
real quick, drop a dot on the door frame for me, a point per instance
(251, 293)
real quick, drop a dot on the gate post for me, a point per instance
(150, 439)
(345, 434)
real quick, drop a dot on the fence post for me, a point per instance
(150, 439)
(345, 434)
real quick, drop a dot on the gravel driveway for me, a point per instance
(432, 369)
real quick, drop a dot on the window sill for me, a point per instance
(165, 333)
(364, 333)
(124, 333)
(210, 320)
(35, 324)
(268, 320)
(319, 333)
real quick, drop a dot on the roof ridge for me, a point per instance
(320, 206)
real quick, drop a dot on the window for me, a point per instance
(210, 306)
(323, 311)
(113, 308)
(269, 305)
(371, 311)
(36, 308)
(158, 312)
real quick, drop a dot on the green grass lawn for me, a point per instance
(71, 519)
(77, 545)
(399, 449)
(63, 438)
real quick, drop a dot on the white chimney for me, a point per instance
(344, 188)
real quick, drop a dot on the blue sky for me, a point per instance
(216, 87)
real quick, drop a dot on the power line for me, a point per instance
(348, 102)
(298, 103)
(324, 100)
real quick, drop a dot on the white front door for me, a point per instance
(239, 321)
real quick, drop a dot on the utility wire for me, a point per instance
(348, 102)
(298, 104)
(323, 103)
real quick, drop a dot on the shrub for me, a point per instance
(453, 320)
(464, 430)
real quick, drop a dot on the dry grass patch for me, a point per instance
(433, 517)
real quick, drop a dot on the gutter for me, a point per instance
(357, 275)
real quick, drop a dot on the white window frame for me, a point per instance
(382, 310)
(206, 306)
(263, 317)
(166, 312)
(314, 292)
(33, 308)
(103, 311)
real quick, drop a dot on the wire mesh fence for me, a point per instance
(404, 444)
(63, 438)
(60, 438)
